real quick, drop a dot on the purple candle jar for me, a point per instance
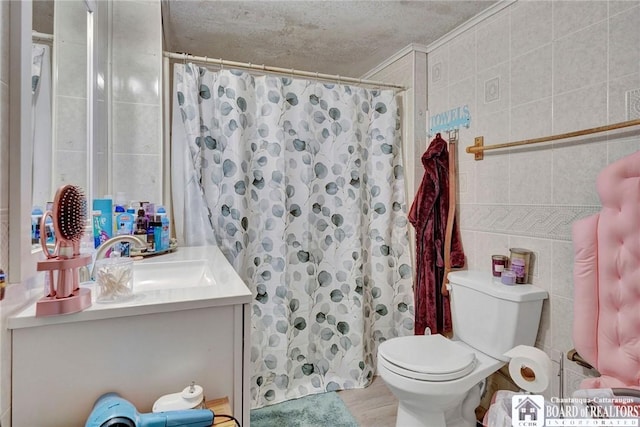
(498, 263)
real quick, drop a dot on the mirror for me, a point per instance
(65, 154)
(41, 123)
(22, 256)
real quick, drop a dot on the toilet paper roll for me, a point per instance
(530, 368)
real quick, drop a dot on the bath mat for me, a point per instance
(317, 410)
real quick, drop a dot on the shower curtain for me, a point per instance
(301, 186)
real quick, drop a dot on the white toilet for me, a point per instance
(437, 380)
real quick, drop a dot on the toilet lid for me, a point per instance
(427, 357)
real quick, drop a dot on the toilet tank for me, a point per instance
(493, 317)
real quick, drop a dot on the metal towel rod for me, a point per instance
(479, 148)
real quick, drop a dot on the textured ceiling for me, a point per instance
(348, 38)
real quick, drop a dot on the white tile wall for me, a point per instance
(137, 100)
(136, 108)
(531, 75)
(562, 66)
(530, 26)
(624, 43)
(492, 41)
(569, 16)
(580, 58)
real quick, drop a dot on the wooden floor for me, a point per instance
(374, 406)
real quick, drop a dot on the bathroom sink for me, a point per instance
(172, 275)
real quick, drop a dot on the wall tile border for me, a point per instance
(541, 221)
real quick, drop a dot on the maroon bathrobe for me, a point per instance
(428, 215)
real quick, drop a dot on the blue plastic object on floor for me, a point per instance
(112, 410)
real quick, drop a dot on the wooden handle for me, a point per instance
(450, 217)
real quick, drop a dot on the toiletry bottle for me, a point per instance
(123, 247)
(151, 234)
(36, 214)
(141, 227)
(48, 225)
(87, 247)
(149, 209)
(156, 224)
(125, 222)
(166, 227)
(98, 237)
(105, 206)
(117, 211)
(3, 284)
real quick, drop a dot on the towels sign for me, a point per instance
(450, 120)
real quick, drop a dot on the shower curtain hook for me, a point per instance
(317, 78)
(184, 58)
(221, 64)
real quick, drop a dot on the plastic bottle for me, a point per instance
(124, 224)
(36, 214)
(151, 234)
(48, 225)
(141, 227)
(166, 227)
(117, 211)
(87, 246)
(156, 226)
(2, 284)
(105, 206)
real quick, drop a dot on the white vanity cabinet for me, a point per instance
(142, 349)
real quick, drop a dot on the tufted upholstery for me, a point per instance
(606, 328)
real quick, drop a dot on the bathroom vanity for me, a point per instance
(188, 321)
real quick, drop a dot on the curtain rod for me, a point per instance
(36, 35)
(286, 71)
(479, 148)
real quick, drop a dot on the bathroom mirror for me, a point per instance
(22, 260)
(81, 74)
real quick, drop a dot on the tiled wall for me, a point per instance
(137, 100)
(135, 134)
(533, 69)
(70, 114)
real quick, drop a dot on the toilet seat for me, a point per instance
(427, 357)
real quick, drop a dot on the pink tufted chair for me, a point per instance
(606, 275)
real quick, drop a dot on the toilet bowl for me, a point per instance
(442, 391)
(438, 380)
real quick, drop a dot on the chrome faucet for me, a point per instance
(104, 247)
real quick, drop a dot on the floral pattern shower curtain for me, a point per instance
(301, 184)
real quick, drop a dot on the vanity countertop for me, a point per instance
(227, 289)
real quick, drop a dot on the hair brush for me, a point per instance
(68, 215)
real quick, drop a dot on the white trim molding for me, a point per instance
(475, 20)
